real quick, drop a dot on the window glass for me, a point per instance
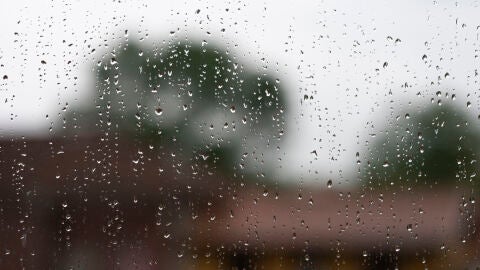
(239, 134)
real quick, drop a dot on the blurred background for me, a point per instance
(238, 135)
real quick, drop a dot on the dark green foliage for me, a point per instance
(193, 98)
(435, 147)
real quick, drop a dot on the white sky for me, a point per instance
(325, 49)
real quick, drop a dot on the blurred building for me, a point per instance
(94, 203)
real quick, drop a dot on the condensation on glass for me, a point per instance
(239, 135)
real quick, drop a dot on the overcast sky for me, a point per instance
(352, 59)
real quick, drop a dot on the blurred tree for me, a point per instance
(193, 98)
(432, 148)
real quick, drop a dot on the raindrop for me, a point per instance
(307, 257)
